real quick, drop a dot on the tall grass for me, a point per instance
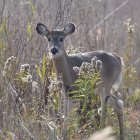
(32, 101)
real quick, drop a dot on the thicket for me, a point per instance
(32, 101)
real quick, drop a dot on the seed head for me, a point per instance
(99, 64)
(93, 61)
(76, 69)
(25, 67)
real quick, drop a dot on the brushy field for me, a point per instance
(32, 102)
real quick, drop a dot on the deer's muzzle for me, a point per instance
(54, 51)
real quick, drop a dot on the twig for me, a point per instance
(16, 6)
(2, 10)
(19, 55)
(14, 94)
(138, 60)
(109, 15)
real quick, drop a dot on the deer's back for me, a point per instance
(111, 64)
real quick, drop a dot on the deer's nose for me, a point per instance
(54, 51)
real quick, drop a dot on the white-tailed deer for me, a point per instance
(111, 72)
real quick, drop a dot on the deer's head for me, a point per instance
(56, 38)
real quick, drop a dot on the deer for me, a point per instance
(111, 71)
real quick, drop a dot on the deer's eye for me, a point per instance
(61, 39)
(49, 39)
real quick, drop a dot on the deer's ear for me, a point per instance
(42, 29)
(69, 28)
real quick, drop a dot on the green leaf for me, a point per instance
(44, 66)
(39, 71)
(3, 27)
(32, 7)
(29, 32)
(78, 97)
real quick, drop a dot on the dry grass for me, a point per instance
(29, 109)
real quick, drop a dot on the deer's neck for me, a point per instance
(65, 69)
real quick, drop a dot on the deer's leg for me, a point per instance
(68, 104)
(117, 104)
(103, 107)
(121, 126)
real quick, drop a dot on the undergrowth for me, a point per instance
(33, 102)
(43, 105)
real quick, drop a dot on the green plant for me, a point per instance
(131, 82)
(131, 85)
(86, 84)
